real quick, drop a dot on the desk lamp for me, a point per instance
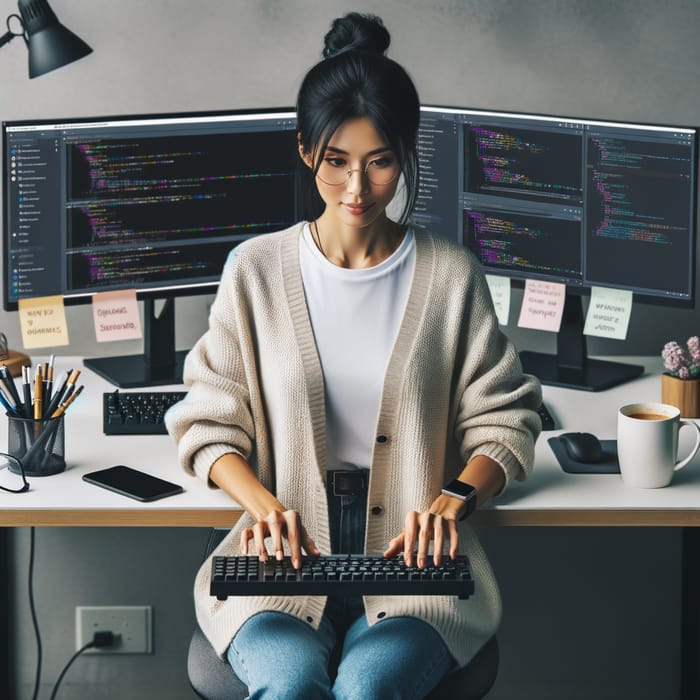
(50, 44)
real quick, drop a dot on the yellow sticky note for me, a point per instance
(116, 315)
(43, 322)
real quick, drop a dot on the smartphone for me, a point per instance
(133, 483)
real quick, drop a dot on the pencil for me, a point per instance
(64, 406)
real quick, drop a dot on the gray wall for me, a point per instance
(567, 631)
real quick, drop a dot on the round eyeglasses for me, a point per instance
(380, 171)
(12, 478)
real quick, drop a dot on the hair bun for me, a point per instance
(355, 31)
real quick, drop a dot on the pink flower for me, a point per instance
(682, 362)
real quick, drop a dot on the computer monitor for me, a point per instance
(152, 203)
(575, 201)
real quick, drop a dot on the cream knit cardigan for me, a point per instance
(454, 388)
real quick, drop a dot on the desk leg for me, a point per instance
(690, 612)
(6, 670)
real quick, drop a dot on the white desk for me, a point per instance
(548, 497)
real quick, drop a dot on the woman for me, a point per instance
(359, 354)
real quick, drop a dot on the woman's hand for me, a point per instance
(440, 520)
(436, 524)
(279, 525)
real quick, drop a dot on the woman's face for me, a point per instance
(358, 174)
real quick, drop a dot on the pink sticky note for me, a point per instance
(543, 305)
(116, 316)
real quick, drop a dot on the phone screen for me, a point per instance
(133, 483)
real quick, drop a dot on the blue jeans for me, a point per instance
(280, 657)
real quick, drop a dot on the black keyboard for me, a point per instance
(339, 574)
(137, 413)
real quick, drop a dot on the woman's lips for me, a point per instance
(356, 209)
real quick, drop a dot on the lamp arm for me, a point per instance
(5, 38)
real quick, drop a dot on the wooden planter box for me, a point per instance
(684, 394)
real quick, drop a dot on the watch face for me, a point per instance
(461, 489)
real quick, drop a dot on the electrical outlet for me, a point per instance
(132, 625)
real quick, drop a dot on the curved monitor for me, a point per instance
(580, 202)
(147, 202)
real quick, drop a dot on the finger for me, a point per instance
(409, 540)
(293, 524)
(425, 537)
(273, 522)
(246, 536)
(395, 546)
(439, 536)
(259, 535)
(308, 544)
(454, 538)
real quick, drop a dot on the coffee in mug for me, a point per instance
(647, 444)
(644, 415)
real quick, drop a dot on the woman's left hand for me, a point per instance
(436, 524)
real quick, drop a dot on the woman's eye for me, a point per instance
(382, 162)
(335, 162)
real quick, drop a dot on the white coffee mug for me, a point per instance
(647, 444)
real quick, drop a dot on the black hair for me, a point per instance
(357, 80)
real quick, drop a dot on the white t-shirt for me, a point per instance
(355, 315)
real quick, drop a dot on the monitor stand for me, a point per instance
(160, 363)
(571, 367)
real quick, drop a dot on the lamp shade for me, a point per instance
(50, 44)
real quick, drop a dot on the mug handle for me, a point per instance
(685, 461)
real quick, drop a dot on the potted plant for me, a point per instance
(680, 383)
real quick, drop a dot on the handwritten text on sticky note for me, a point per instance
(43, 322)
(116, 316)
(608, 313)
(500, 293)
(543, 304)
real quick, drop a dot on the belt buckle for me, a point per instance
(347, 483)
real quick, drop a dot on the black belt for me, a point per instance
(348, 482)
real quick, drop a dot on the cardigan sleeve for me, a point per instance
(215, 417)
(496, 412)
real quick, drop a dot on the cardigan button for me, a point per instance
(377, 510)
(381, 439)
(381, 615)
(309, 619)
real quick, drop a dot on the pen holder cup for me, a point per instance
(38, 444)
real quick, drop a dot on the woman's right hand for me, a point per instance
(279, 525)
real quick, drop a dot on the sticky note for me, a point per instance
(43, 322)
(116, 316)
(500, 293)
(608, 313)
(543, 305)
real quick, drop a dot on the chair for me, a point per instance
(213, 679)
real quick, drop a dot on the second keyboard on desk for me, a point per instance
(137, 413)
(341, 574)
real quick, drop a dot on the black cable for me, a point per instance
(99, 640)
(83, 648)
(32, 608)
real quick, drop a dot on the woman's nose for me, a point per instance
(357, 180)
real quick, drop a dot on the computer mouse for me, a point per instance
(582, 447)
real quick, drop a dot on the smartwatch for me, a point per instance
(465, 492)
